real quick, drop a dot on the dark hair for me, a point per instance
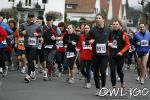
(62, 24)
(49, 18)
(100, 14)
(31, 14)
(40, 17)
(15, 25)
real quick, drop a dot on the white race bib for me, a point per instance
(32, 41)
(114, 44)
(100, 48)
(60, 43)
(21, 41)
(144, 43)
(39, 46)
(70, 54)
(86, 46)
(4, 42)
(49, 46)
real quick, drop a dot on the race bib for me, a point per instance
(86, 46)
(21, 41)
(60, 43)
(4, 42)
(49, 46)
(39, 46)
(114, 44)
(100, 48)
(70, 54)
(144, 43)
(32, 41)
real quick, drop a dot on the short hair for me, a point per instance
(100, 14)
(141, 23)
(31, 14)
(117, 20)
(62, 24)
(40, 17)
(49, 18)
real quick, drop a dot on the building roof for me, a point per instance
(83, 6)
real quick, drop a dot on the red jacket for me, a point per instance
(85, 52)
(3, 34)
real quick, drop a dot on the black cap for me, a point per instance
(40, 17)
(49, 18)
(30, 14)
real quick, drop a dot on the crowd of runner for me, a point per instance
(40, 45)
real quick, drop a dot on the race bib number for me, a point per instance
(144, 43)
(32, 41)
(39, 46)
(49, 46)
(114, 44)
(60, 43)
(21, 41)
(101, 48)
(86, 46)
(70, 54)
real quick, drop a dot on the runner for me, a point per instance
(28, 29)
(51, 34)
(99, 37)
(120, 44)
(141, 41)
(70, 41)
(85, 50)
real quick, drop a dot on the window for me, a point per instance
(44, 1)
(69, 6)
(28, 3)
(11, 0)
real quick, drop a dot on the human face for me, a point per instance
(99, 20)
(11, 25)
(116, 25)
(49, 22)
(142, 28)
(62, 28)
(87, 29)
(70, 29)
(39, 21)
(31, 19)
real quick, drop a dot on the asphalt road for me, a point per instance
(14, 88)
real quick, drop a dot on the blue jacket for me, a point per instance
(142, 42)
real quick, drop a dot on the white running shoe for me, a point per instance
(27, 78)
(88, 85)
(142, 81)
(97, 92)
(32, 75)
(138, 78)
(71, 81)
(1, 70)
(23, 70)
